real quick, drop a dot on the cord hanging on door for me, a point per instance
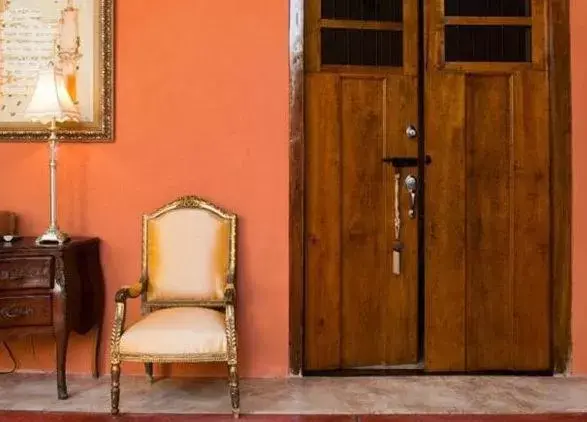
(397, 224)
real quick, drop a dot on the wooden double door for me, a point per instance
(427, 196)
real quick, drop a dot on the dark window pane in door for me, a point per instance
(493, 43)
(342, 9)
(488, 8)
(328, 9)
(361, 47)
(390, 50)
(364, 10)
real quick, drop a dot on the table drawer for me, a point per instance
(26, 272)
(25, 310)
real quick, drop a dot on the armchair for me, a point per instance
(187, 290)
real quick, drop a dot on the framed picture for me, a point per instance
(75, 36)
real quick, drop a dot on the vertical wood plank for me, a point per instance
(561, 180)
(489, 238)
(411, 34)
(445, 223)
(312, 36)
(323, 300)
(539, 33)
(400, 313)
(434, 37)
(363, 211)
(296, 185)
(531, 294)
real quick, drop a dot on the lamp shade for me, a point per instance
(51, 100)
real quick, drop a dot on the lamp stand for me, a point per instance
(52, 235)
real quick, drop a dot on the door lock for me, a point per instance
(411, 132)
(412, 186)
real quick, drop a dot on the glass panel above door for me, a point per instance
(491, 43)
(356, 47)
(365, 10)
(488, 8)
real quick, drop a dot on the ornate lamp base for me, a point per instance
(52, 236)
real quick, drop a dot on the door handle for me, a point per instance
(411, 184)
(404, 162)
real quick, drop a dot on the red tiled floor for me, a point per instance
(475, 418)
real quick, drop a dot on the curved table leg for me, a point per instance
(62, 337)
(96, 360)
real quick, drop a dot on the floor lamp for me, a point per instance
(51, 103)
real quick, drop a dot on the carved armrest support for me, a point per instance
(121, 296)
(230, 292)
(230, 319)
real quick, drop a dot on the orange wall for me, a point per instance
(201, 107)
(579, 81)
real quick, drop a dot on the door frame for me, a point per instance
(560, 178)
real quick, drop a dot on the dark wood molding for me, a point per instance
(296, 185)
(561, 183)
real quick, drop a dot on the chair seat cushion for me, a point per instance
(176, 331)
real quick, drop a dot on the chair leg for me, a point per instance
(115, 392)
(234, 390)
(149, 371)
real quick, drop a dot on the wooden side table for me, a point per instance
(52, 289)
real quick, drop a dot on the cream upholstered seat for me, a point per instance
(179, 331)
(188, 293)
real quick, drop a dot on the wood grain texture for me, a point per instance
(488, 219)
(73, 300)
(560, 175)
(539, 34)
(22, 311)
(363, 218)
(412, 34)
(445, 223)
(531, 231)
(311, 36)
(561, 181)
(349, 237)
(323, 219)
(401, 315)
(296, 185)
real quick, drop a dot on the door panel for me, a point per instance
(444, 347)
(487, 193)
(532, 291)
(488, 221)
(357, 312)
(487, 199)
(400, 313)
(363, 221)
(323, 218)
(374, 300)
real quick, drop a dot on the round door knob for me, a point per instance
(411, 132)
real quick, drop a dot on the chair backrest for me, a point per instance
(189, 252)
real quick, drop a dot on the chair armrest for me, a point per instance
(230, 292)
(131, 292)
(120, 315)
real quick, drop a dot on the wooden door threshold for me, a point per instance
(418, 371)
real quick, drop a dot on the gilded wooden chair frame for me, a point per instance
(227, 304)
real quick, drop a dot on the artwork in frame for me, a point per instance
(75, 36)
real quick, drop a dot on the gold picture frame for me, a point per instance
(78, 36)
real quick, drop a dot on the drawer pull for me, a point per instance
(13, 312)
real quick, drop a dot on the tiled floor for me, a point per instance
(78, 417)
(304, 396)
